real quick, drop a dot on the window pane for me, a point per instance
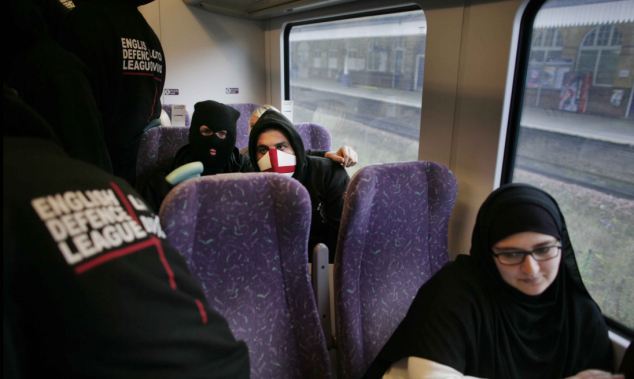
(604, 35)
(550, 37)
(590, 39)
(369, 94)
(607, 66)
(587, 60)
(576, 141)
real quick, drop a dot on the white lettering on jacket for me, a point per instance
(87, 223)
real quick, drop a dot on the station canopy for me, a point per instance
(610, 12)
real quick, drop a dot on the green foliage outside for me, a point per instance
(601, 229)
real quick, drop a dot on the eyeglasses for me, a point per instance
(540, 254)
(206, 132)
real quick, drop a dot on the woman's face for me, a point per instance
(530, 277)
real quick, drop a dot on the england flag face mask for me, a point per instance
(277, 161)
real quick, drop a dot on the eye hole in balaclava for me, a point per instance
(212, 135)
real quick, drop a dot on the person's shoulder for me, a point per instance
(86, 13)
(87, 23)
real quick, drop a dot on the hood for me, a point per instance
(275, 120)
(20, 120)
(27, 25)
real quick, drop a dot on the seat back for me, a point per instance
(392, 238)
(246, 237)
(314, 136)
(242, 126)
(168, 109)
(157, 149)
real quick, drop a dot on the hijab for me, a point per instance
(273, 120)
(467, 317)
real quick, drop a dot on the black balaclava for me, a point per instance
(275, 120)
(217, 117)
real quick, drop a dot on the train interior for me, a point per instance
(490, 91)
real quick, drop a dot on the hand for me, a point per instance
(345, 156)
(596, 374)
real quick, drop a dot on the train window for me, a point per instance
(576, 137)
(361, 77)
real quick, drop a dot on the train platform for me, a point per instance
(615, 130)
(620, 131)
(390, 95)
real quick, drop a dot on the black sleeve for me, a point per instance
(71, 109)
(96, 289)
(154, 188)
(86, 34)
(336, 188)
(77, 119)
(317, 153)
(439, 326)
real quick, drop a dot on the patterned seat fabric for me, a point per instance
(393, 238)
(242, 126)
(157, 149)
(314, 136)
(245, 237)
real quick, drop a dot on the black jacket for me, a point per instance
(127, 68)
(325, 180)
(91, 288)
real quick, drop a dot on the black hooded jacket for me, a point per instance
(91, 289)
(127, 71)
(325, 180)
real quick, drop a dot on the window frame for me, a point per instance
(518, 85)
(548, 49)
(287, 31)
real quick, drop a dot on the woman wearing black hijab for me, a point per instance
(515, 308)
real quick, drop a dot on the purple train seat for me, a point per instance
(242, 126)
(245, 237)
(157, 149)
(314, 136)
(392, 238)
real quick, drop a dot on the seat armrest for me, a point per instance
(319, 275)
